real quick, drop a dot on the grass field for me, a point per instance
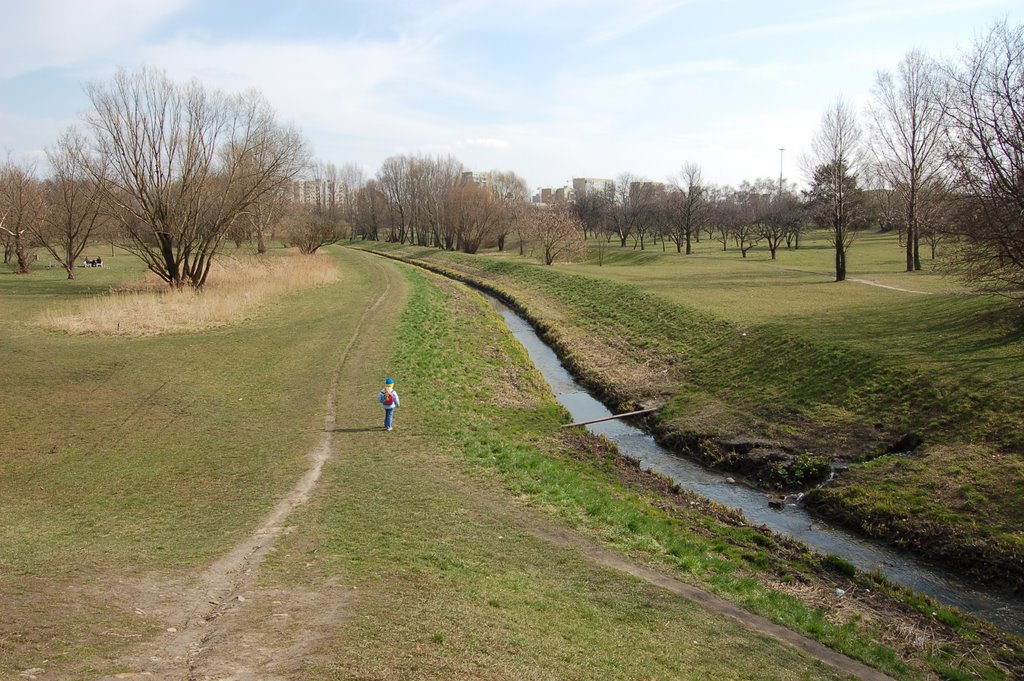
(776, 351)
(128, 455)
(129, 464)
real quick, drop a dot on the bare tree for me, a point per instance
(937, 219)
(393, 182)
(309, 230)
(662, 217)
(723, 214)
(474, 214)
(986, 151)
(638, 208)
(440, 175)
(780, 219)
(21, 210)
(593, 210)
(689, 207)
(834, 171)
(559, 233)
(318, 217)
(752, 202)
(265, 213)
(351, 179)
(629, 210)
(179, 164)
(371, 211)
(883, 202)
(514, 194)
(906, 119)
(415, 188)
(74, 207)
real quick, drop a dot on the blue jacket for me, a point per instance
(380, 398)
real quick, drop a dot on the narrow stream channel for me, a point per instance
(1004, 610)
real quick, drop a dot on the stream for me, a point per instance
(1005, 610)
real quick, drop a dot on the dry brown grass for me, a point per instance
(237, 287)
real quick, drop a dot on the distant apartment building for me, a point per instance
(553, 195)
(315, 192)
(645, 187)
(479, 179)
(581, 186)
(321, 193)
(593, 185)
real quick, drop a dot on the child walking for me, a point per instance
(388, 398)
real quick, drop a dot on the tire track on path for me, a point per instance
(183, 650)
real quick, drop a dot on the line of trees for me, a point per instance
(433, 201)
(172, 171)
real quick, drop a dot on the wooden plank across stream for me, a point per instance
(609, 418)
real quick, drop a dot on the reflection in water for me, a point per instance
(1004, 610)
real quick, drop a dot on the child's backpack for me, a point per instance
(389, 398)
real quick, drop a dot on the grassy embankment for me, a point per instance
(658, 522)
(517, 611)
(777, 359)
(115, 474)
(130, 460)
(125, 456)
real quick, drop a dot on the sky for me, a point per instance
(550, 89)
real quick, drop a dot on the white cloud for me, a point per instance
(632, 17)
(350, 88)
(488, 143)
(52, 33)
(548, 88)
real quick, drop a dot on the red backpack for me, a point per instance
(389, 398)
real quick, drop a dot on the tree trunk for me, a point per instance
(689, 248)
(910, 249)
(19, 250)
(840, 261)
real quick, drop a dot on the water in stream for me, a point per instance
(1003, 610)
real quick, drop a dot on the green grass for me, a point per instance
(946, 332)
(751, 349)
(124, 457)
(467, 588)
(450, 380)
(133, 455)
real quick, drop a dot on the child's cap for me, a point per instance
(389, 381)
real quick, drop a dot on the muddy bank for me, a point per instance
(776, 468)
(864, 595)
(987, 562)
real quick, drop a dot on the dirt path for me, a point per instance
(226, 625)
(205, 635)
(869, 282)
(861, 280)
